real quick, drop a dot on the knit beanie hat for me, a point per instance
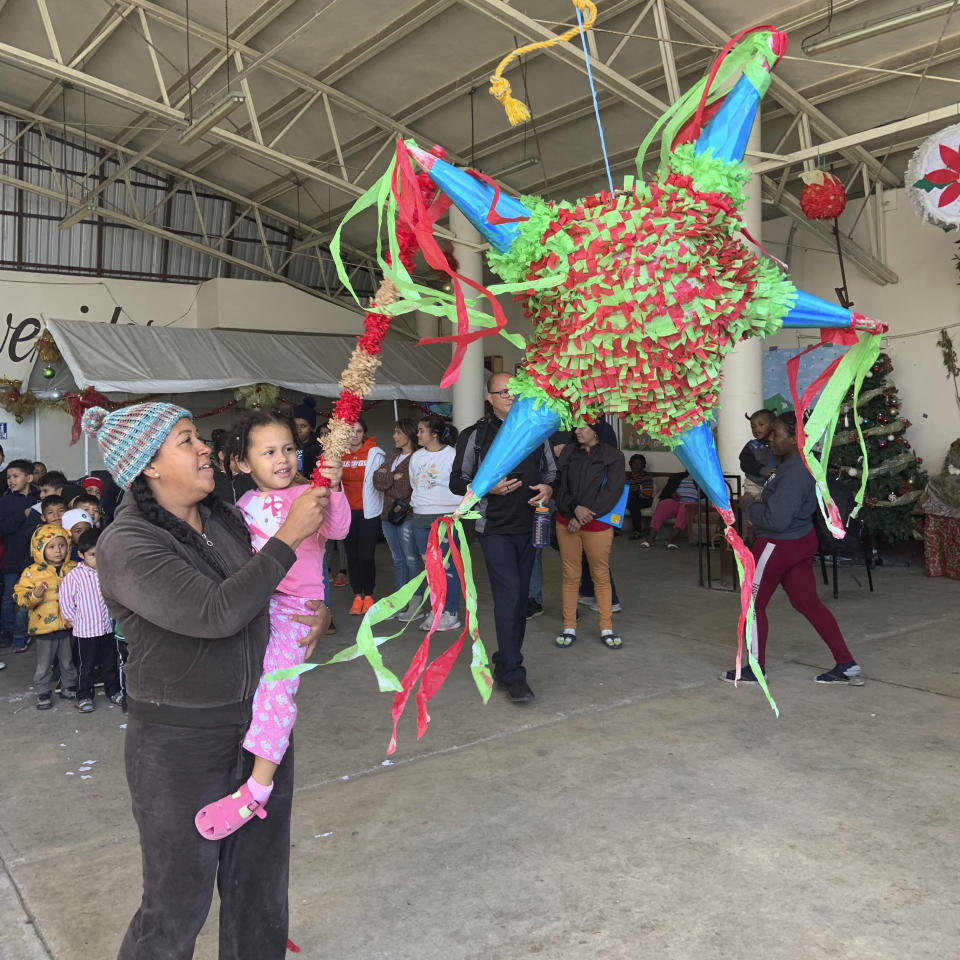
(307, 410)
(130, 437)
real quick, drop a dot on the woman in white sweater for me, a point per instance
(432, 498)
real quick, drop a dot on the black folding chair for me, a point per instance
(853, 546)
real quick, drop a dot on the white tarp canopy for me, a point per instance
(135, 360)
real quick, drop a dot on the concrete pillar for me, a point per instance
(425, 324)
(469, 389)
(742, 390)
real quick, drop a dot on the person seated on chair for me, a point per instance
(679, 490)
(642, 491)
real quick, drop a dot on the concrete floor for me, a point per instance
(638, 808)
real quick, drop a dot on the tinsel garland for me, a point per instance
(21, 404)
(47, 349)
(257, 395)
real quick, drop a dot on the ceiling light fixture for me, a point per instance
(214, 116)
(906, 18)
(84, 211)
(518, 166)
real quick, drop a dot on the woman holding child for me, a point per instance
(190, 596)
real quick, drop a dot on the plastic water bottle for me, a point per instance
(541, 527)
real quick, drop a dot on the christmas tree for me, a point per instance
(895, 479)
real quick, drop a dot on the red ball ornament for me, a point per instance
(823, 196)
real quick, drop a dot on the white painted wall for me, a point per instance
(263, 305)
(926, 299)
(28, 299)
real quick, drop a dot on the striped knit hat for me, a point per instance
(130, 437)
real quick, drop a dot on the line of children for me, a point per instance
(51, 596)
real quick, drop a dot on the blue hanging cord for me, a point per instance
(593, 91)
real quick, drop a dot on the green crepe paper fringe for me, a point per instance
(522, 386)
(772, 300)
(710, 175)
(527, 248)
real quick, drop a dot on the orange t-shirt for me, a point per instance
(354, 468)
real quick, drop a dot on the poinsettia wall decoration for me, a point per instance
(933, 178)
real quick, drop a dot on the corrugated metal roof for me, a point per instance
(31, 238)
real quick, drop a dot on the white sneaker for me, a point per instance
(614, 607)
(410, 611)
(448, 621)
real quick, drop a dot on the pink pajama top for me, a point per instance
(265, 510)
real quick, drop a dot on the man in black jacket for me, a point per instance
(505, 531)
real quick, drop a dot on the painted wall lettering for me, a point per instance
(18, 337)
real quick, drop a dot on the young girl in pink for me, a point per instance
(267, 451)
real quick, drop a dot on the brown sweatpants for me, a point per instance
(596, 545)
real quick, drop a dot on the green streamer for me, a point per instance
(822, 423)
(479, 663)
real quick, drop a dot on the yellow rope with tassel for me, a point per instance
(517, 110)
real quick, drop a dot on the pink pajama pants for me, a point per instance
(274, 711)
(675, 510)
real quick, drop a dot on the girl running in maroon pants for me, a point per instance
(784, 549)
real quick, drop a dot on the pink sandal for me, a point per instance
(218, 820)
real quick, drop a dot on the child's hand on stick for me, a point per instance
(305, 516)
(333, 471)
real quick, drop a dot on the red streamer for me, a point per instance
(700, 117)
(413, 210)
(492, 216)
(431, 676)
(437, 585)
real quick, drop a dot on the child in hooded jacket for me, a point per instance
(38, 590)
